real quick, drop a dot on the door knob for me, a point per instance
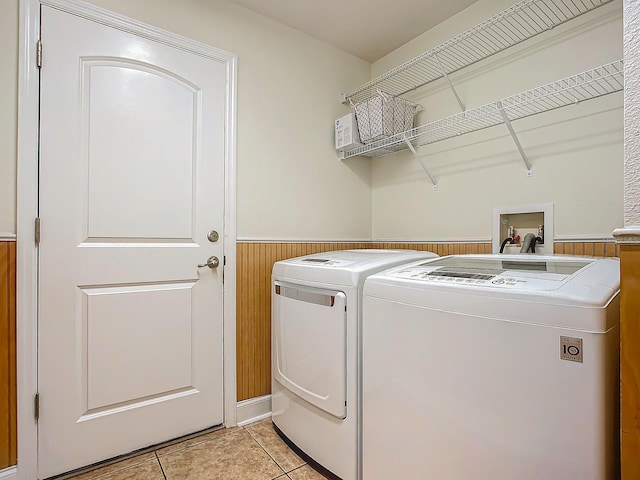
(212, 262)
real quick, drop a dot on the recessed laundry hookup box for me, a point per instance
(516, 222)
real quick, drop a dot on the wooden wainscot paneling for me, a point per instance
(8, 445)
(589, 249)
(630, 360)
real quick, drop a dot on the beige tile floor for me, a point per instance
(253, 452)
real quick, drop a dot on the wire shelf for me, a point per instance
(593, 83)
(520, 22)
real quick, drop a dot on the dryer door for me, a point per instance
(310, 342)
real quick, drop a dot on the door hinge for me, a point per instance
(37, 231)
(39, 53)
(36, 406)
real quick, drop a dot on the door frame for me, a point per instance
(27, 208)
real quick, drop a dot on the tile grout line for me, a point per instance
(138, 454)
(265, 451)
(160, 463)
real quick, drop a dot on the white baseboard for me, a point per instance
(10, 473)
(253, 410)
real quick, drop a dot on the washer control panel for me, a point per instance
(460, 276)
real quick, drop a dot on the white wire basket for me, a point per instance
(383, 116)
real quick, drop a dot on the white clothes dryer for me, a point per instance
(316, 322)
(492, 367)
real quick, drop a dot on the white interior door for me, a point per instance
(131, 181)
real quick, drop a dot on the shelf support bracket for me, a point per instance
(446, 77)
(415, 154)
(507, 122)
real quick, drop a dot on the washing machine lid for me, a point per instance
(552, 279)
(345, 267)
(498, 271)
(558, 267)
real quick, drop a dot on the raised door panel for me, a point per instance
(143, 121)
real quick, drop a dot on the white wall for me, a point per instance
(8, 114)
(576, 152)
(290, 183)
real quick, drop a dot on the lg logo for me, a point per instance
(571, 349)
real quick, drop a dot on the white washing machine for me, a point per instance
(316, 322)
(492, 367)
